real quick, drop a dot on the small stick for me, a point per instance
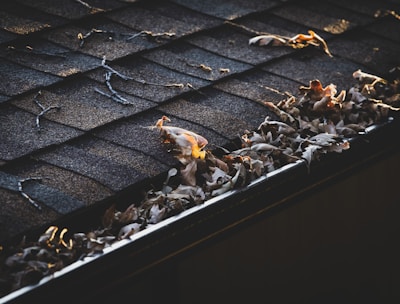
(92, 8)
(106, 66)
(44, 109)
(114, 97)
(151, 34)
(20, 189)
(167, 85)
(82, 37)
(30, 50)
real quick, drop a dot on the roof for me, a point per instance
(77, 147)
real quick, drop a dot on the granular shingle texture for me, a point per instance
(113, 68)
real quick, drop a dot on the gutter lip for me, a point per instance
(266, 181)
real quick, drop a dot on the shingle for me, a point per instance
(52, 198)
(4, 98)
(6, 36)
(227, 9)
(27, 12)
(150, 80)
(232, 43)
(20, 25)
(136, 133)
(315, 15)
(70, 9)
(271, 24)
(88, 161)
(259, 86)
(18, 216)
(142, 19)
(140, 162)
(81, 106)
(48, 57)
(194, 61)
(378, 54)
(82, 188)
(42, 194)
(328, 70)
(19, 135)
(8, 181)
(226, 114)
(15, 79)
(388, 27)
(366, 7)
(197, 20)
(110, 40)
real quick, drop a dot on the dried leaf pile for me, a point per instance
(318, 121)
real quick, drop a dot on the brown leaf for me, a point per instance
(189, 173)
(129, 215)
(108, 217)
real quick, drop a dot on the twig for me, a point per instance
(380, 13)
(118, 98)
(151, 34)
(43, 108)
(380, 103)
(21, 190)
(202, 66)
(92, 8)
(30, 50)
(83, 37)
(106, 66)
(114, 94)
(167, 85)
(190, 86)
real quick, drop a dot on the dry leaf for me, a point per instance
(189, 143)
(297, 41)
(188, 173)
(268, 39)
(128, 230)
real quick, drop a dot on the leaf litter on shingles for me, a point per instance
(319, 121)
(298, 41)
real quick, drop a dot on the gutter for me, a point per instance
(128, 259)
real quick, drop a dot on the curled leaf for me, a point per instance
(189, 143)
(128, 230)
(297, 41)
(268, 39)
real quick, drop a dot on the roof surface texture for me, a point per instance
(61, 125)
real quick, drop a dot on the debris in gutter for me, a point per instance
(43, 108)
(319, 121)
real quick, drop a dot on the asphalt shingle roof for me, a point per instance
(93, 147)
